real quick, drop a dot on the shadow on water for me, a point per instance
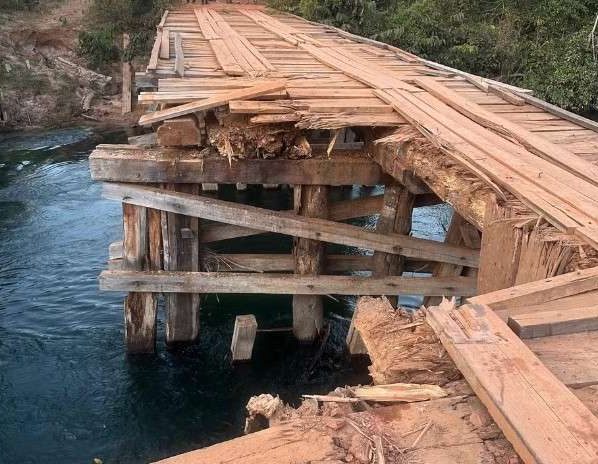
(68, 393)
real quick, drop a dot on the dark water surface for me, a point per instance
(68, 392)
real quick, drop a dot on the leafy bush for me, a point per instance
(109, 19)
(541, 44)
(98, 47)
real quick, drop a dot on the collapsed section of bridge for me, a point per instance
(240, 96)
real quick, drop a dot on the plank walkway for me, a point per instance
(320, 77)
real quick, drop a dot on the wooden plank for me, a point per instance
(546, 323)
(140, 308)
(541, 291)
(536, 144)
(179, 60)
(165, 44)
(213, 102)
(127, 163)
(127, 84)
(441, 134)
(539, 415)
(153, 61)
(264, 283)
(572, 358)
(281, 222)
(569, 116)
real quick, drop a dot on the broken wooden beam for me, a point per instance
(264, 283)
(308, 312)
(289, 224)
(556, 322)
(262, 88)
(127, 163)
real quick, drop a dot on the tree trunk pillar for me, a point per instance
(309, 256)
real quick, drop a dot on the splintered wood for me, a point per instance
(401, 346)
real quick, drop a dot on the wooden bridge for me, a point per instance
(238, 95)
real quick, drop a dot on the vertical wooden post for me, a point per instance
(127, 79)
(139, 308)
(458, 228)
(395, 217)
(181, 253)
(309, 255)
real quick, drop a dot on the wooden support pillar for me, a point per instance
(309, 255)
(127, 86)
(181, 253)
(139, 308)
(395, 217)
(243, 337)
(461, 233)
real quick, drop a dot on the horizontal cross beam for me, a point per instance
(263, 283)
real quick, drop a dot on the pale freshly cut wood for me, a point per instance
(556, 322)
(403, 392)
(155, 54)
(179, 62)
(129, 163)
(338, 211)
(536, 144)
(213, 102)
(264, 283)
(538, 414)
(537, 292)
(572, 358)
(290, 224)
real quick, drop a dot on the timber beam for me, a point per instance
(127, 163)
(264, 283)
(289, 224)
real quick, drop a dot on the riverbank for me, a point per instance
(43, 81)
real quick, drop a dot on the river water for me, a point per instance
(68, 392)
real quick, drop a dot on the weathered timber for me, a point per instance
(308, 313)
(455, 235)
(541, 291)
(140, 308)
(539, 415)
(546, 323)
(244, 332)
(290, 224)
(264, 283)
(124, 163)
(337, 211)
(395, 217)
(182, 309)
